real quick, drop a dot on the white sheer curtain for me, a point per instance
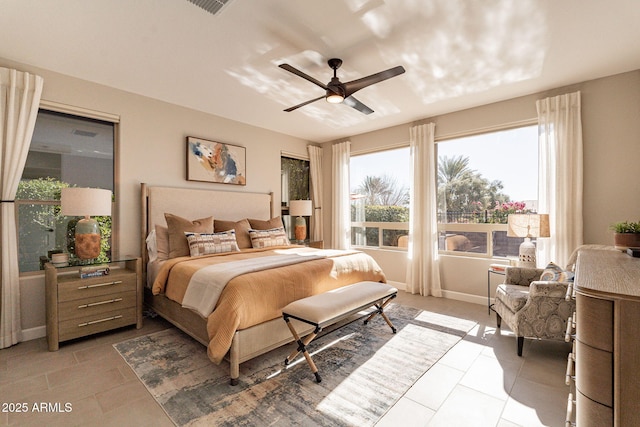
(423, 272)
(315, 175)
(19, 100)
(340, 215)
(560, 176)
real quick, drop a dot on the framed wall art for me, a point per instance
(211, 161)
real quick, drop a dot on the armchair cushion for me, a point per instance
(514, 297)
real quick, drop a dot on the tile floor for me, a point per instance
(479, 382)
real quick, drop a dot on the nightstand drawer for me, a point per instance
(95, 323)
(96, 305)
(96, 286)
(594, 322)
(590, 413)
(593, 373)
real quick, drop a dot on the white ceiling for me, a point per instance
(457, 53)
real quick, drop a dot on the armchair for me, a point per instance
(532, 308)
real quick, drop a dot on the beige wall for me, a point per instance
(152, 139)
(152, 148)
(611, 137)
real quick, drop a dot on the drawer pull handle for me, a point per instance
(571, 324)
(570, 405)
(98, 285)
(93, 304)
(106, 319)
(569, 375)
(569, 295)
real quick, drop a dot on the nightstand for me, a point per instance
(493, 269)
(78, 307)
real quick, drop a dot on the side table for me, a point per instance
(499, 269)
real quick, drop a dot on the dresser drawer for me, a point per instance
(96, 305)
(594, 322)
(75, 328)
(74, 289)
(594, 370)
(590, 413)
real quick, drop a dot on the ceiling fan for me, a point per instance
(338, 92)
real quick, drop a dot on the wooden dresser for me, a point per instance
(607, 344)
(78, 307)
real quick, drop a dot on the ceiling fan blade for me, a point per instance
(355, 85)
(299, 73)
(354, 103)
(303, 104)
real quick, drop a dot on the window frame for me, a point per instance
(380, 226)
(487, 228)
(82, 113)
(284, 204)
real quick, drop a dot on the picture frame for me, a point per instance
(219, 162)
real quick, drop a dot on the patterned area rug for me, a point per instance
(365, 369)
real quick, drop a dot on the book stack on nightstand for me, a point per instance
(89, 299)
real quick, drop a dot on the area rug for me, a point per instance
(365, 369)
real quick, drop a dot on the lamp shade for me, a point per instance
(300, 208)
(528, 225)
(85, 202)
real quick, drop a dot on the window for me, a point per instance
(65, 151)
(294, 178)
(481, 180)
(380, 198)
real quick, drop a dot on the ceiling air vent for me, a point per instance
(211, 6)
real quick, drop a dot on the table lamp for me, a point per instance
(300, 208)
(86, 202)
(528, 226)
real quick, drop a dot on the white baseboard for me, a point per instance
(459, 296)
(401, 286)
(34, 333)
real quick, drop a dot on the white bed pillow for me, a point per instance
(152, 246)
(211, 243)
(268, 238)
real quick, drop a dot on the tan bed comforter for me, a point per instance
(257, 297)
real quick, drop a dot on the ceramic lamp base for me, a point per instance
(300, 229)
(87, 239)
(527, 257)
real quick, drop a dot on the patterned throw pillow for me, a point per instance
(555, 273)
(215, 243)
(268, 238)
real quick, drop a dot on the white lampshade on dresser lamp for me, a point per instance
(300, 209)
(528, 226)
(86, 202)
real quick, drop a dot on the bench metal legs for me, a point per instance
(303, 343)
(302, 347)
(380, 311)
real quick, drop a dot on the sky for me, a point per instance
(506, 156)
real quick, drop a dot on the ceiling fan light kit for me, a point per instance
(334, 98)
(338, 92)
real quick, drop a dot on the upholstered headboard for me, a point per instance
(198, 203)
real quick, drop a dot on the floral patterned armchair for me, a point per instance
(533, 308)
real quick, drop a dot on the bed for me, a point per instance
(245, 319)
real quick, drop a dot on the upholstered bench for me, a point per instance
(330, 307)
